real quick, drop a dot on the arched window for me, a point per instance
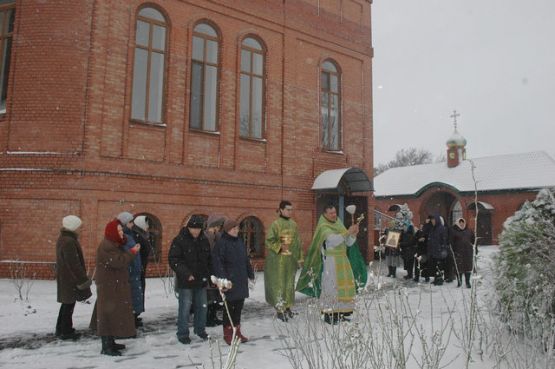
(330, 100)
(456, 213)
(204, 79)
(7, 16)
(149, 67)
(251, 231)
(252, 89)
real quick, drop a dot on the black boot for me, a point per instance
(331, 318)
(212, 315)
(138, 321)
(392, 272)
(282, 316)
(107, 348)
(289, 313)
(467, 279)
(116, 346)
(459, 280)
(438, 279)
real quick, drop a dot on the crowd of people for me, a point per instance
(332, 271)
(433, 250)
(201, 249)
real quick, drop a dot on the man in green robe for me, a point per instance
(283, 257)
(328, 273)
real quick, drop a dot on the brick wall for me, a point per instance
(67, 144)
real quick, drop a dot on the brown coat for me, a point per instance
(462, 241)
(70, 268)
(114, 311)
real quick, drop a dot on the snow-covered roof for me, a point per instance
(530, 170)
(355, 178)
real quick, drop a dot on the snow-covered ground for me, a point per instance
(27, 339)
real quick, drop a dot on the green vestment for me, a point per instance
(280, 269)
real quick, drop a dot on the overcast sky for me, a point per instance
(491, 60)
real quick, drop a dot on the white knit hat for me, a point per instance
(125, 217)
(71, 223)
(140, 222)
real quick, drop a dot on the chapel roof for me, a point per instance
(531, 170)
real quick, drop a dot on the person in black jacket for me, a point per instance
(230, 261)
(438, 248)
(421, 266)
(407, 244)
(190, 259)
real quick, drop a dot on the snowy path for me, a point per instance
(27, 340)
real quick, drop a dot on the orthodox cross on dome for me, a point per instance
(454, 116)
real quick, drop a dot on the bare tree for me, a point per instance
(406, 158)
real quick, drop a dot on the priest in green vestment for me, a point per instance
(283, 257)
(328, 273)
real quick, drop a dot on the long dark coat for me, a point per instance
(230, 261)
(462, 241)
(212, 293)
(438, 247)
(407, 244)
(70, 268)
(114, 311)
(421, 250)
(189, 256)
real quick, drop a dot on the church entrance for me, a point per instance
(440, 203)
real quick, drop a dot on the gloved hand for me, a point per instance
(83, 286)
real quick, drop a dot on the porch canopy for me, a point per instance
(351, 179)
(482, 205)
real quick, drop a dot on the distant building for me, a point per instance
(503, 183)
(171, 108)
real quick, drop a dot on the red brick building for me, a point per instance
(502, 184)
(173, 108)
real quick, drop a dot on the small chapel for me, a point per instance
(485, 191)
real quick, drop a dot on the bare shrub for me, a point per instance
(385, 330)
(22, 279)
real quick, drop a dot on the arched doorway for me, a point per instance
(441, 203)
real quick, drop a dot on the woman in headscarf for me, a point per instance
(462, 241)
(114, 310)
